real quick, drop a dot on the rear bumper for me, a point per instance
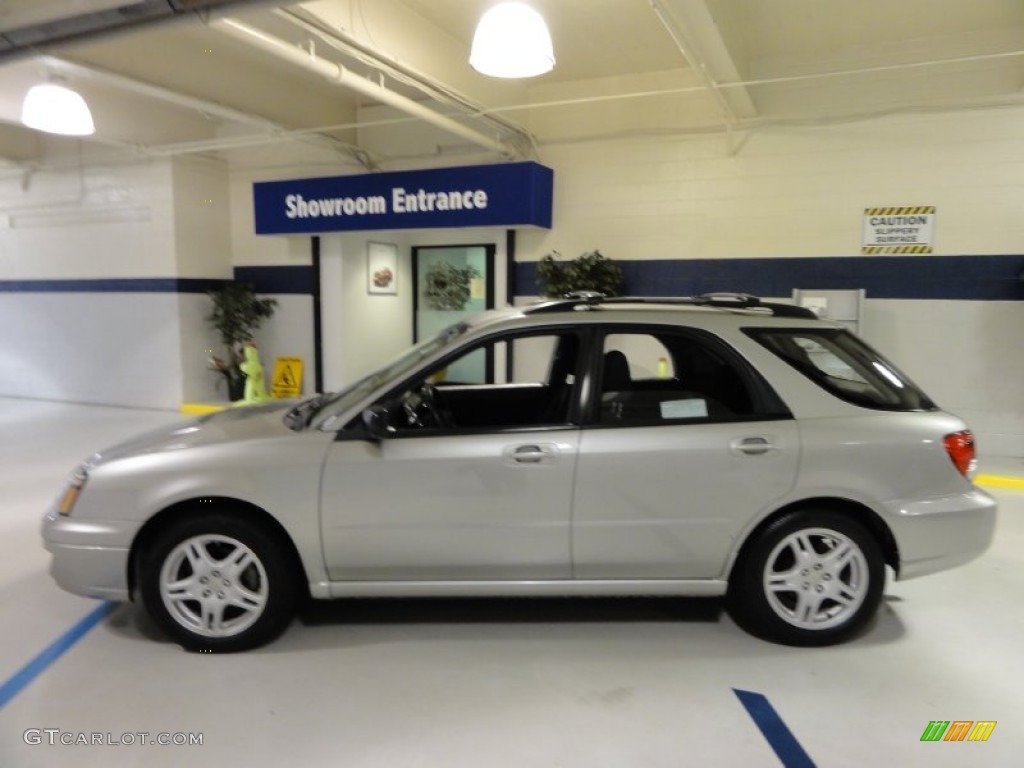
(938, 534)
(90, 558)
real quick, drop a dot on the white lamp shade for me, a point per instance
(512, 41)
(56, 109)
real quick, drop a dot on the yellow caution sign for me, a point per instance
(287, 381)
(898, 229)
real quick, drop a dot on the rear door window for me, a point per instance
(844, 365)
(654, 376)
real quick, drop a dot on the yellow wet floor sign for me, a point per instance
(287, 381)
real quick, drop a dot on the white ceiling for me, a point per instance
(195, 84)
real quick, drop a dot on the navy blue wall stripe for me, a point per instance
(978, 278)
(290, 279)
(774, 730)
(24, 676)
(113, 285)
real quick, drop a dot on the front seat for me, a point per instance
(615, 373)
(616, 384)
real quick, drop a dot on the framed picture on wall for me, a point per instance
(382, 268)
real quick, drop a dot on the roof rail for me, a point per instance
(593, 300)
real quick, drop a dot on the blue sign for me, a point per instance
(507, 195)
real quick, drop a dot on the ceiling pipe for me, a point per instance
(336, 73)
(347, 44)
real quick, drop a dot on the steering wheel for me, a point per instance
(432, 415)
(422, 410)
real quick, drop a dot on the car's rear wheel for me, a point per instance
(218, 583)
(809, 578)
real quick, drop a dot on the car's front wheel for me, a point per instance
(218, 583)
(809, 578)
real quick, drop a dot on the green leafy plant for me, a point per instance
(590, 272)
(447, 287)
(236, 315)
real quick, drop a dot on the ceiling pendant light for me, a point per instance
(55, 108)
(512, 41)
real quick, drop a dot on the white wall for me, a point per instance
(202, 218)
(110, 348)
(202, 248)
(103, 221)
(362, 331)
(149, 219)
(788, 191)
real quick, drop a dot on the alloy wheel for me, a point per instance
(214, 585)
(816, 578)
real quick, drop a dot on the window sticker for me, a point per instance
(691, 408)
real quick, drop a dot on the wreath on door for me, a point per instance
(448, 287)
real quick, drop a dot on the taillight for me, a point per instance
(960, 447)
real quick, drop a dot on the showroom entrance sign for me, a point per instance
(508, 195)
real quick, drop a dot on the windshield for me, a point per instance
(327, 407)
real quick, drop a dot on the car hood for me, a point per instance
(233, 424)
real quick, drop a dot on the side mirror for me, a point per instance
(375, 419)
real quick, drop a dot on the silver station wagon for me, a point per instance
(713, 446)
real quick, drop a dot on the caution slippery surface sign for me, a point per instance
(287, 381)
(898, 229)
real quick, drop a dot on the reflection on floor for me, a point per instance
(491, 683)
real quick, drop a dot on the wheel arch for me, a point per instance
(196, 507)
(863, 514)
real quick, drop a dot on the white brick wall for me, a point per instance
(789, 191)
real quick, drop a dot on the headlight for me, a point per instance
(74, 488)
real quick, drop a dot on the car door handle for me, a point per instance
(532, 454)
(752, 446)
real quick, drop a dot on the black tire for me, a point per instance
(188, 583)
(829, 575)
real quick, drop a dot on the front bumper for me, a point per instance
(938, 534)
(90, 557)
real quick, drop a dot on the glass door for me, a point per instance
(451, 283)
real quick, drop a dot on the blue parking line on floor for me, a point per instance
(775, 731)
(24, 676)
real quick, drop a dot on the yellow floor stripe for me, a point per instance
(198, 409)
(1000, 481)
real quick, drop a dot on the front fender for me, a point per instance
(279, 475)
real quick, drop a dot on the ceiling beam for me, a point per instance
(702, 42)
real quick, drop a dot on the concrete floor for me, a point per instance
(586, 683)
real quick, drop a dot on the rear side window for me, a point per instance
(845, 366)
(654, 376)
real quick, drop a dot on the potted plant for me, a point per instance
(590, 272)
(236, 315)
